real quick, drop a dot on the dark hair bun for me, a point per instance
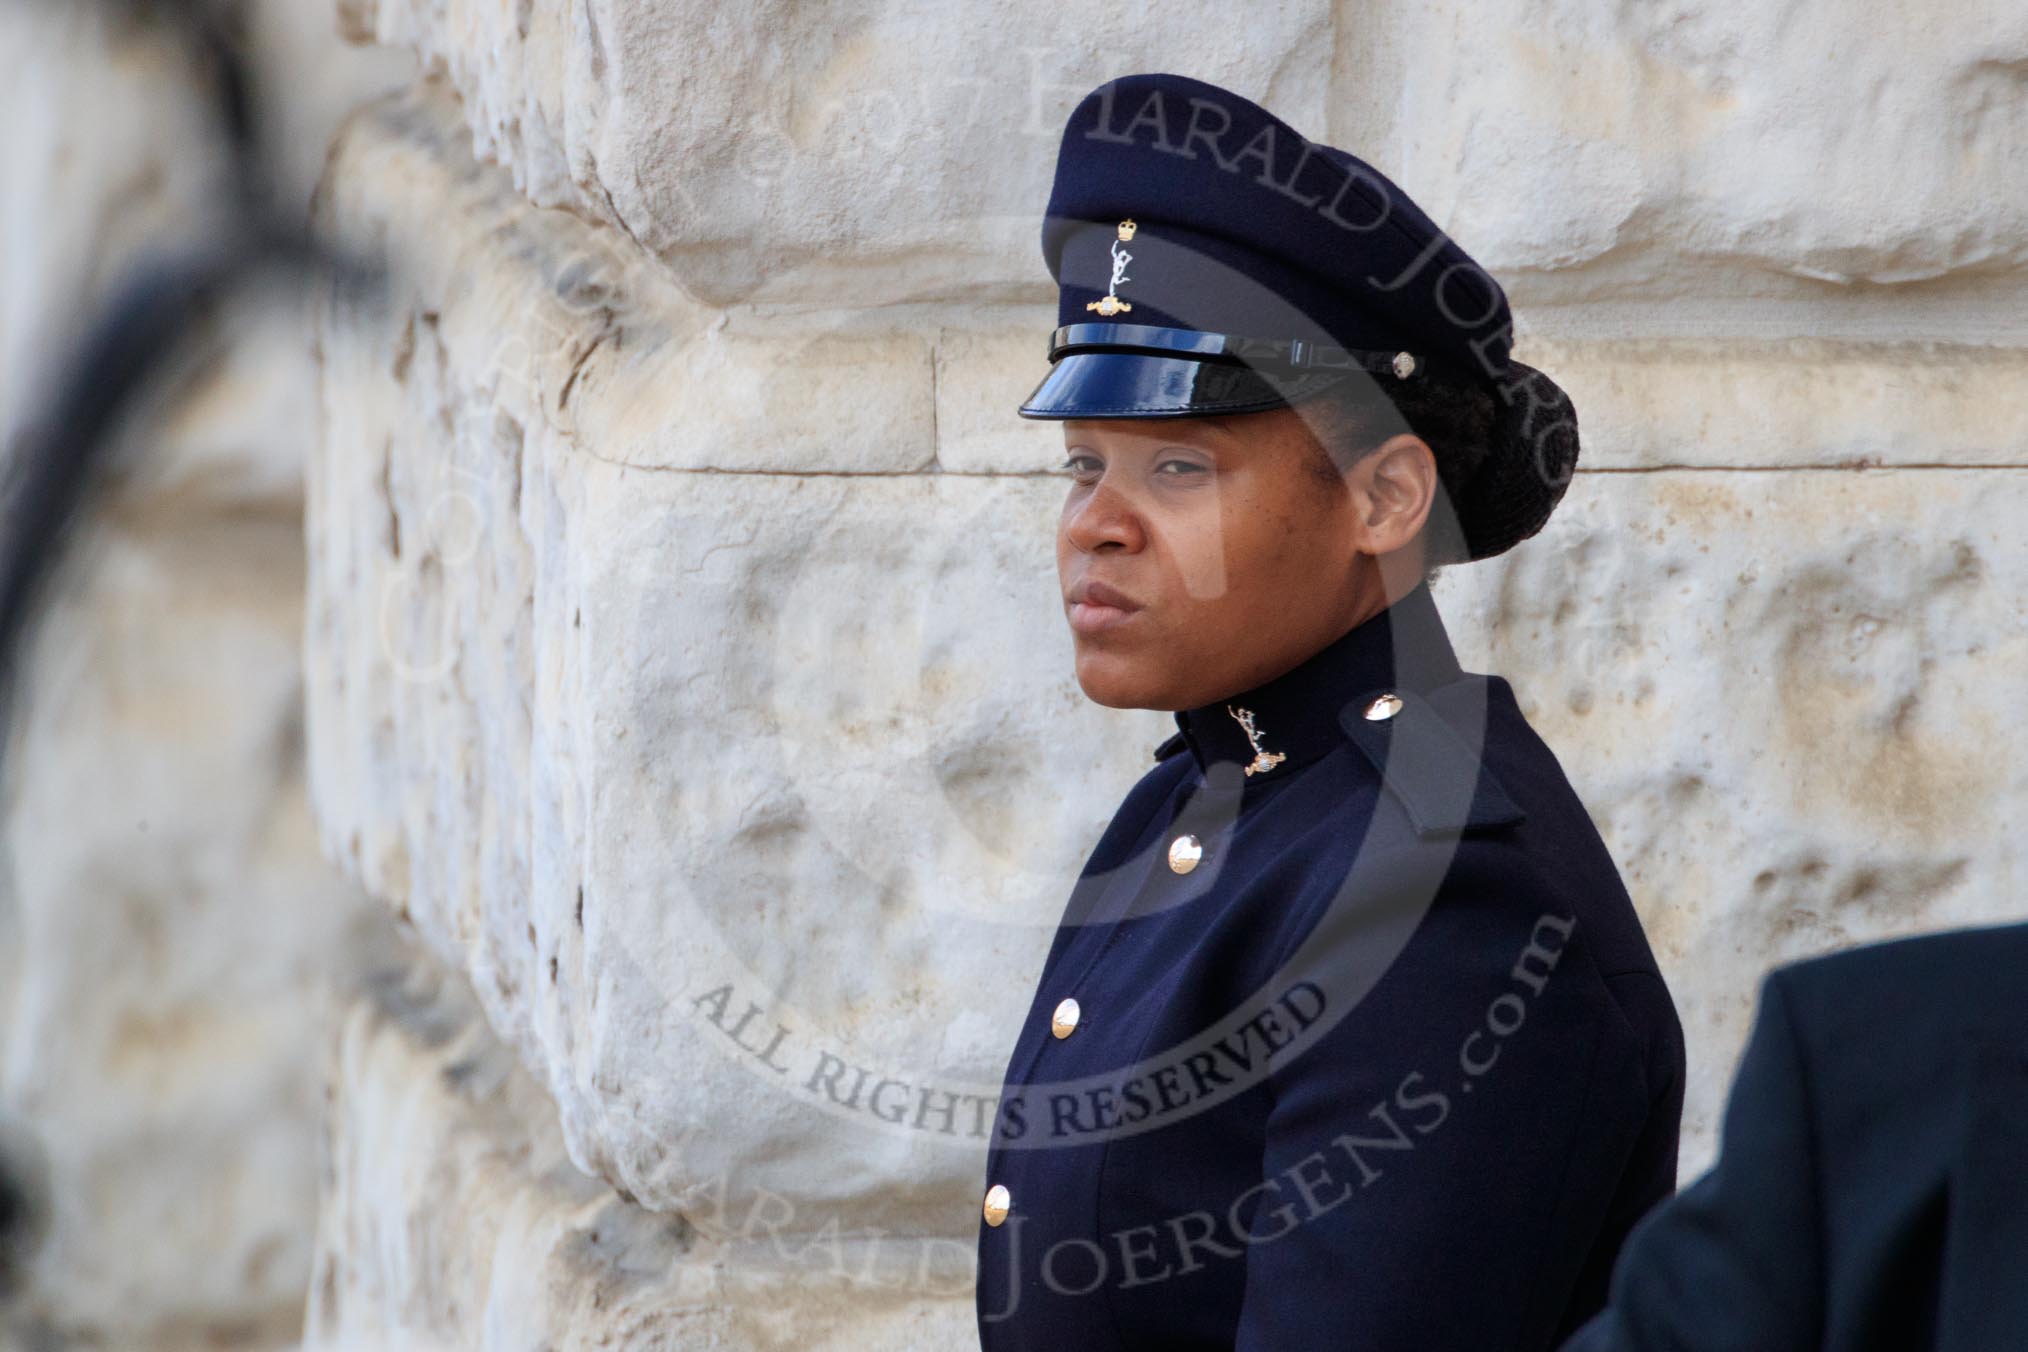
(1527, 466)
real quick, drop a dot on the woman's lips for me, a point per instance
(1096, 608)
(1089, 617)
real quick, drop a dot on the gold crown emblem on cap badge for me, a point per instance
(1263, 761)
(1110, 303)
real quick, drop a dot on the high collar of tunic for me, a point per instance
(1296, 714)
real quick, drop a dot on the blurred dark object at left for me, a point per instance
(163, 301)
(24, 1203)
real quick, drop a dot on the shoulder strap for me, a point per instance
(1441, 780)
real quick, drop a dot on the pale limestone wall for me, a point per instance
(829, 152)
(168, 930)
(458, 1219)
(684, 657)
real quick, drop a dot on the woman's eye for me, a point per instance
(1084, 466)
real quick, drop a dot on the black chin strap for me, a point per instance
(1299, 354)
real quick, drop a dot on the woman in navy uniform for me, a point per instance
(1350, 1037)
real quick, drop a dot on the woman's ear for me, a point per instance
(1393, 487)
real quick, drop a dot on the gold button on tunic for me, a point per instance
(998, 1199)
(1064, 1021)
(1184, 852)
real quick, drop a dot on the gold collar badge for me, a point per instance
(1263, 761)
(1110, 303)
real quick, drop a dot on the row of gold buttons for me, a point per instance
(1185, 853)
(1062, 1022)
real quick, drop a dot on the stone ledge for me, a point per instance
(905, 154)
(561, 322)
(895, 152)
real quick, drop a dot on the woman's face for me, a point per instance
(1202, 556)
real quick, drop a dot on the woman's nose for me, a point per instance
(1106, 516)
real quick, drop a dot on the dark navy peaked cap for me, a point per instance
(1210, 259)
(1235, 225)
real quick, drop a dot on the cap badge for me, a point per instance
(1110, 303)
(1263, 761)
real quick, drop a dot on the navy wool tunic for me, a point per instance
(1363, 1050)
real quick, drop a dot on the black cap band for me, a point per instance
(1298, 354)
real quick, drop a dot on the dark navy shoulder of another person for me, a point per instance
(1870, 1196)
